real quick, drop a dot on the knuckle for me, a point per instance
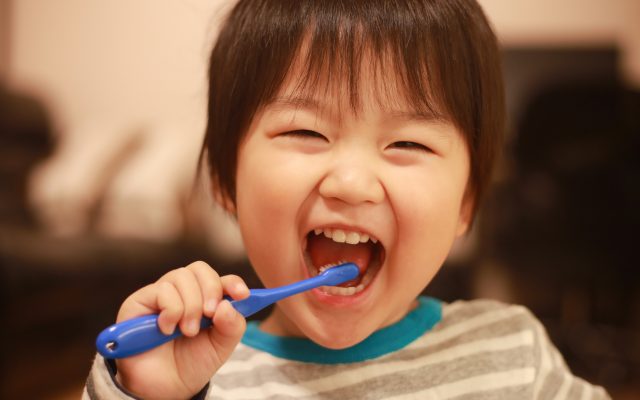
(169, 297)
(175, 309)
(173, 312)
(231, 279)
(199, 266)
(235, 282)
(165, 287)
(193, 309)
(170, 276)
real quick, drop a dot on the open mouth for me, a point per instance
(327, 247)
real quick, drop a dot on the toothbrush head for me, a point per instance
(342, 273)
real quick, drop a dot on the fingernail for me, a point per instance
(227, 315)
(211, 305)
(241, 288)
(193, 326)
(171, 329)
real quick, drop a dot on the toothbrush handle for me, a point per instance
(135, 336)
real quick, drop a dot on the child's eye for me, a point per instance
(403, 144)
(305, 134)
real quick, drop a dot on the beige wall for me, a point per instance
(112, 59)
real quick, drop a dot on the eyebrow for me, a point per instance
(294, 102)
(417, 115)
(309, 103)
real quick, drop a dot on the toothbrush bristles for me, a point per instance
(329, 266)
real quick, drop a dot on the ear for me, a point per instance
(466, 214)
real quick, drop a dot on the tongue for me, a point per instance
(325, 251)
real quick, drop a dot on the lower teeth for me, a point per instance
(342, 291)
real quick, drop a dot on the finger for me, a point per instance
(162, 298)
(171, 307)
(189, 290)
(228, 327)
(210, 286)
(142, 302)
(235, 287)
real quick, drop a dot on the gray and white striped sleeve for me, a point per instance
(554, 380)
(101, 385)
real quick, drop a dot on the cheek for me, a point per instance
(270, 196)
(261, 181)
(428, 212)
(270, 178)
(260, 210)
(261, 202)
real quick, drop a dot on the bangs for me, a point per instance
(335, 56)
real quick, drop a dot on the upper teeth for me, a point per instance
(342, 236)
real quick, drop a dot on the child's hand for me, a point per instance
(182, 367)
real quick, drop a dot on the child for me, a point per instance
(346, 130)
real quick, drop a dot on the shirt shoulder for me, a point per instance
(495, 329)
(486, 319)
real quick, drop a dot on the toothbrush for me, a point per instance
(137, 335)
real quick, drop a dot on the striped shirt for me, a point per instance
(465, 350)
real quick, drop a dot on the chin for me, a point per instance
(336, 337)
(339, 343)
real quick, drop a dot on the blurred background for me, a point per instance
(102, 108)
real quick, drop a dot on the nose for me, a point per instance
(353, 183)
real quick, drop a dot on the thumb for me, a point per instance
(228, 327)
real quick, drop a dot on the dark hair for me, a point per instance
(443, 52)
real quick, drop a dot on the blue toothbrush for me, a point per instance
(137, 335)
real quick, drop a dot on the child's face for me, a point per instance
(310, 163)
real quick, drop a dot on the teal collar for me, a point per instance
(385, 341)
